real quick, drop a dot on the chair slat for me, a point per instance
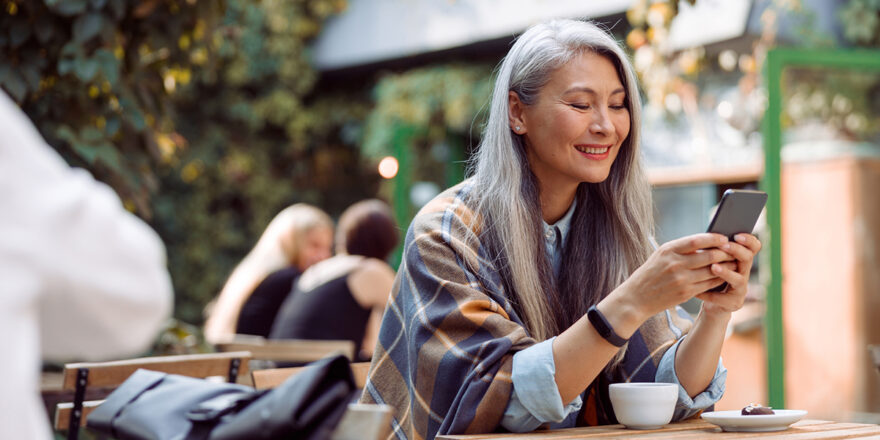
(289, 350)
(63, 411)
(271, 378)
(113, 373)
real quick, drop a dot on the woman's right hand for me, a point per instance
(675, 273)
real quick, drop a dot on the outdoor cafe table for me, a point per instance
(690, 429)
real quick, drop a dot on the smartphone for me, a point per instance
(738, 212)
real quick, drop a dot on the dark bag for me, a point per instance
(159, 406)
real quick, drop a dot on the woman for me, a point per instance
(508, 277)
(344, 297)
(298, 237)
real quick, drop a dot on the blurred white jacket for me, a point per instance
(80, 277)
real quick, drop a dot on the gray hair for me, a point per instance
(613, 221)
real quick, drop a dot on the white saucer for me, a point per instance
(735, 421)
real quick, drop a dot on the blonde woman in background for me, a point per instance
(298, 237)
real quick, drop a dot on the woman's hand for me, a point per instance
(743, 249)
(680, 270)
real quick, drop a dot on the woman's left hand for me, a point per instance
(743, 249)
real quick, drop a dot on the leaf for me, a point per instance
(65, 133)
(19, 32)
(71, 49)
(107, 154)
(112, 126)
(136, 118)
(31, 75)
(108, 65)
(85, 151)
(85, 69)
(44, 28)
(90, 135)
(67, 8)
(5, 68)
(87, 26)
(65, 66)
(15, 85)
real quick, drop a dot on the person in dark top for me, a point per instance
(298, 237)
(344, 296)
(261, 308)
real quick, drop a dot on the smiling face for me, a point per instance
(573, 132)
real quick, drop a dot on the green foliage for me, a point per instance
(258, 140)
(92, 74)
(861, 22)
(199, 113)
(438, 102)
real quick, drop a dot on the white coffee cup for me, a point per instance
(643, 405)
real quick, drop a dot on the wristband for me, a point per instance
(603, 327)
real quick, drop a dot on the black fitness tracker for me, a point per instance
(604, 327)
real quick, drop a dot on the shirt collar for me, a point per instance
(563, 225)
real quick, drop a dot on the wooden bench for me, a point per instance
(271, 378)
(79, 377)
(299, 351)
(360, 421)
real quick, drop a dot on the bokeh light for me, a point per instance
(388, 167)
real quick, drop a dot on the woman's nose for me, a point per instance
(601, 123)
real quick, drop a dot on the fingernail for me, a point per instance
(725, 246)
(716, 268)
(739, 237)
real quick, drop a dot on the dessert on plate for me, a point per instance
(754, 409)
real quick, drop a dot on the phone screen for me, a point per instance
(738, 212)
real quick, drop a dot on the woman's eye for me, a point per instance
(581, 106)
(618, 107)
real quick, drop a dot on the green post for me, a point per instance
(777, 60)
(403, 137)
(456, 166)
(771, 184)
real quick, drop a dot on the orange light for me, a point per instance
(388, 167)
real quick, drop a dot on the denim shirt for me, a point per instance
(535, 399)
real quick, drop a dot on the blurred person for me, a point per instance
(298, 237)
(83, 279)
(344, 297)
(528, 288)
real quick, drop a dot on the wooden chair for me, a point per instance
(79, 377)
(271, 378)
(299, 351)
(360, 421)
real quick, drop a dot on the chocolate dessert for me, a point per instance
(756, 410)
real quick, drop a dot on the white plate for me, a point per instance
(735, 421)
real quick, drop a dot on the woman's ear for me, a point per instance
(515, 109)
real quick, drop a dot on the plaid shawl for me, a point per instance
(445, 350)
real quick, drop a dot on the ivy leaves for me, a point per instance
(861, 21)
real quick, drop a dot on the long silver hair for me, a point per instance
(613, 221)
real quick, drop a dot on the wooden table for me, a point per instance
(691, 429)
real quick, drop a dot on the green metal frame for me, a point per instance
(777, 60)
(402, 145)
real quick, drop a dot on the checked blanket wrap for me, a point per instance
(445, 352)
